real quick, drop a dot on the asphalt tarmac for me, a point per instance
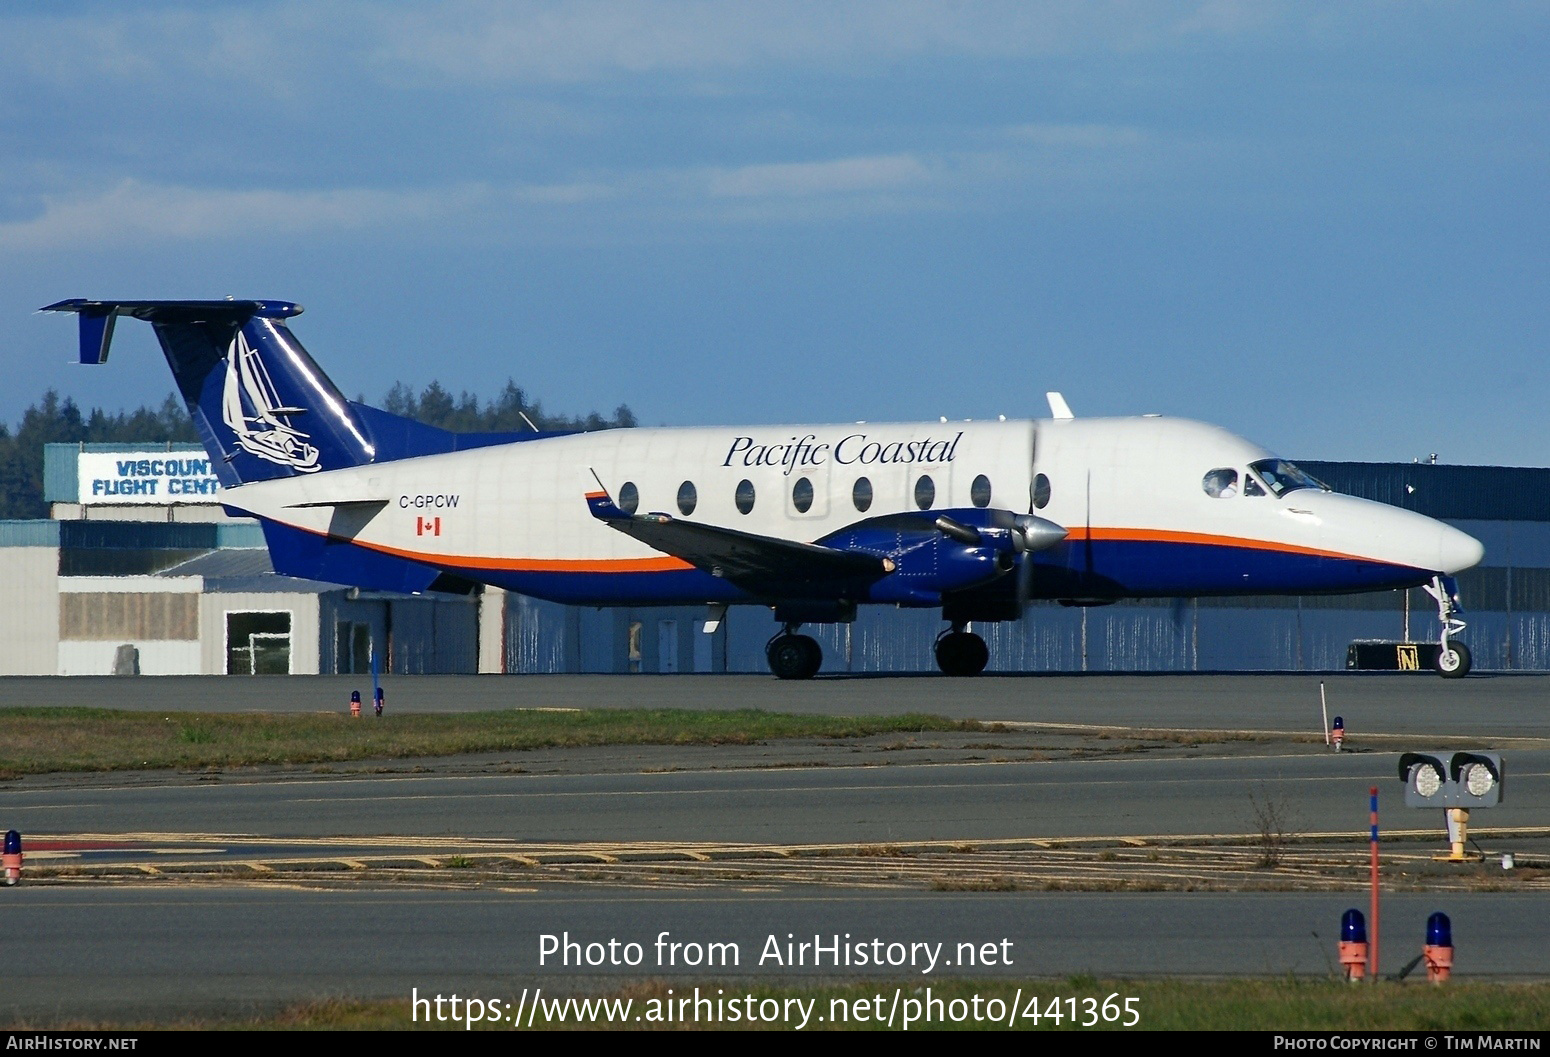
(1480, 706)
(783, 803)
(1082, 762)
(121, 954)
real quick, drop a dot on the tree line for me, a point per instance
(56, 419)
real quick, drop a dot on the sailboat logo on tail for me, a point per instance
(251, 408)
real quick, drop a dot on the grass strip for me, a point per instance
(1280, 1004)
(44, 740)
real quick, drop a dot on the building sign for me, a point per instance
(150, 478)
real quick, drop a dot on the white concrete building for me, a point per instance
(153, 578)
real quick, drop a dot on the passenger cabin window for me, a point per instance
(744, 497)
(802, 495)
(688, 498)
(979, 491)
(1041, 491)
(629, 497)
(861, 494)
(925, 492)
(1221, 483)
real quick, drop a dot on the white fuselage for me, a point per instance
(516, 514)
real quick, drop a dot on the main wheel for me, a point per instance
(794, 657)
(961, 653)
(1454, 662)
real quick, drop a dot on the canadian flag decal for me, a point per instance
(427, 526)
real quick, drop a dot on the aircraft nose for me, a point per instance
(1457, 551)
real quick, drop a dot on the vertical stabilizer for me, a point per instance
(262, 406)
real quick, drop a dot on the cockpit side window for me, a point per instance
(1251, 485)
(1221, 483)
(1282, 476)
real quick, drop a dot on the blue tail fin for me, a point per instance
(261, 405)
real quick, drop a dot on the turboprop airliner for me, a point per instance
(810, 521)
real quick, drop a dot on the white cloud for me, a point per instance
(841, 176)
(138, 211)
(1050, 163)
(286, 47)
(1078, 136)
(134, 211)
(565, 194)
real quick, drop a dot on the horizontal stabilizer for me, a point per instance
(97, 317)
(344, 504)
(350, 516)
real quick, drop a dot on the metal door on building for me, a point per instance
(667, 646)
(352, 648)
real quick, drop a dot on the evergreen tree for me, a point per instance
(55, 420)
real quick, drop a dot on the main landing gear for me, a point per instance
(793, 656)
(1453, 660)
(960, 652)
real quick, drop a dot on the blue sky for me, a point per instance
(1322, 225)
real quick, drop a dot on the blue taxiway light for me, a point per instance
(1353, 927)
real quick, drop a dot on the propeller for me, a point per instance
(1037, 533)
(1028, 533)
(1032, 533)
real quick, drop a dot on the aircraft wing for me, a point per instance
(760, 564)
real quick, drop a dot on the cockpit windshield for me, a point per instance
(1283, 477)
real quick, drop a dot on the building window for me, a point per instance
(688, 498)
(258, 643)
(629, 497)
(744, 496)
(1041, 491)
(802, 495)
(925, 492)
(979, 491)
(861, 494)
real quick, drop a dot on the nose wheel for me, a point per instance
(793, 656)
(1453, 659)
(960, 652)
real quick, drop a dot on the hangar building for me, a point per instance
(140, 571)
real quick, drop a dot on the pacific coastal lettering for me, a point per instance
(855, 449)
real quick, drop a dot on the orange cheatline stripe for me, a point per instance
(664, 564)
(667, 563)
(1135, 535)
(597, 495)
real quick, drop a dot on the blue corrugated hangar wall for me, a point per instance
(1507, 602)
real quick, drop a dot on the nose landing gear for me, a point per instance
(793, 656)
(960, 652)
(1453, 659)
